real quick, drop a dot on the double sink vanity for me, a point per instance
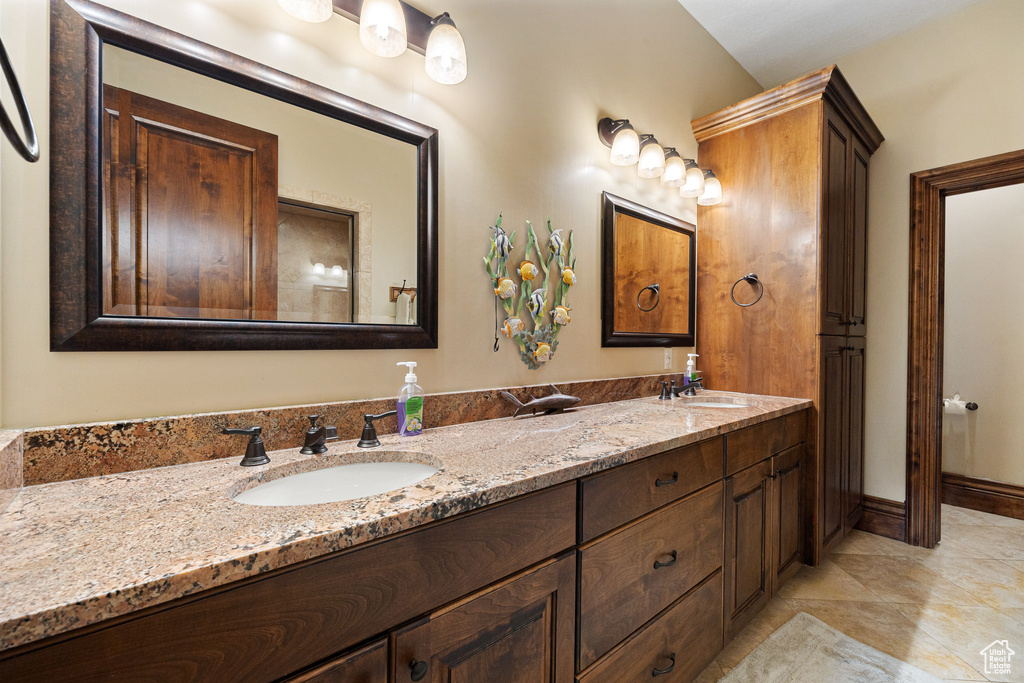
(611, 542)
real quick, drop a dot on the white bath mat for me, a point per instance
(806, 650)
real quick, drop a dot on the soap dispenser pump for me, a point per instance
(410, 403)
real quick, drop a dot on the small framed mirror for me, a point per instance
(203, 201)
(649, 274)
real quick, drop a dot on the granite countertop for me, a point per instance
(79, 552)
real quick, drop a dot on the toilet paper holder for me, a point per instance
(969, 405)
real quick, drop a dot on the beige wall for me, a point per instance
(946, 92)
(517, 136)
(984, 334)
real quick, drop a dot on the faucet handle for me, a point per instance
(255, 451)
(369, 437)
(312, 420)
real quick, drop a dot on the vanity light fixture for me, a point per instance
(620, 136)
(313, 11)
(652, 158)
(318, 269)
(694, 186)
(388, 27)
(675, 169)
(382, 27)
(337, 271)
(446, 52)
(712, 190)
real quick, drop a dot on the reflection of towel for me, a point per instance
(403, 309)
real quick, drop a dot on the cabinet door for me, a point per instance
(520, 631)
(748, 523)
(787, 500)
(853, 436)
(857, 262)
(831, 433)
(835, 219)
(365, 665)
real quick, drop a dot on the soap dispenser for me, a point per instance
(691, 369)
(410, 404)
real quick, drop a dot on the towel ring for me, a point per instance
(752, 278)
(29, 148)
(656, 288)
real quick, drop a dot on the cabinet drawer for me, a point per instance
(685, 639)
(291, 619)
(628, 577)
(618, 496)
(366, 665)
(752, 445)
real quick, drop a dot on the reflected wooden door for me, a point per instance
(647, 254)
(190, 212)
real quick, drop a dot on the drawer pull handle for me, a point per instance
(666, 482)
(659, 565)
(659, 672)
(418, 670)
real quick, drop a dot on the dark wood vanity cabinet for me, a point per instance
(793, 162)
(763, 517)
(620, 575)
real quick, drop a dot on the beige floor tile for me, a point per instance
(1016, 564)
(883, 628)
(966, 630)
(1014, 612)
(863, 543)
(1000, 542)
(825, 582)
(955, 515)
(902, 579)
(710, 674)
(995, 582)
(775, 614)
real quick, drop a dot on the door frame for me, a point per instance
(928, 192)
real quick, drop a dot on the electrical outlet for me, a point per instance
(668, 359)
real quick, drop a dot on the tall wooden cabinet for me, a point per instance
(794, 165)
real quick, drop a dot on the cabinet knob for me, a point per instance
(417, 670)
(658, 672)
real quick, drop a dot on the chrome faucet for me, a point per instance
(255, 451)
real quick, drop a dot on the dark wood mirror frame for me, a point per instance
(611, 208)
(78, 30)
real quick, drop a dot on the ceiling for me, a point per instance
(777, 40)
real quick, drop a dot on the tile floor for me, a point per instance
(934, 609)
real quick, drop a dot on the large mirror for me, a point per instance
(219, 204)
(649, 276)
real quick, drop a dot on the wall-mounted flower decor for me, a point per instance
(538, 340)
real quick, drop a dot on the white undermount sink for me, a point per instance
(334, 484)
(713, 402)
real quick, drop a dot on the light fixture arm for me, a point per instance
(441, 19)
(607, 128)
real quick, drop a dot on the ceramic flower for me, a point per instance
(506, 289)
(568, 277)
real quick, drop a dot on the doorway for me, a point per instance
(928, 193)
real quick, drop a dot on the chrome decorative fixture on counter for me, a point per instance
(388, 27)
(654, 161)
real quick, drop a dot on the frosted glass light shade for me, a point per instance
(675, 170)
(313, 11)
(625, 147)
(694, 185)
(652, 160)
(318, 269)
(712, 190)
(446, 52)
(382, 27)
